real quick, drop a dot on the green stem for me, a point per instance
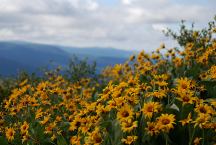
(166, 138)
(191, 135)
(203, 136)
(182, 111)
(168, 99)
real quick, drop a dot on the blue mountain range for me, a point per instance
(16, 56)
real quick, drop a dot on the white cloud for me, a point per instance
(6, 33)
(7, 7)
(92, 5)
(159, 27)
(127, 2)
(135, 15)
(128, 24)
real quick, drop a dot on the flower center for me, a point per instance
(203, 110)
(97, 139)
(184, 86)
(11, 133)
(186, 99)
(165, 121)
(150, 109)
(125, 114)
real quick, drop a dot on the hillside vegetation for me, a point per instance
(167, 97)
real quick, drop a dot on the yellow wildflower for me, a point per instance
(150, 108)
(201, 120)
(165, 122)
(128, 125)
(10, 132)
(125, 113)
(197, 141)
(129, 140)
(187, 120)
(151, 128)
(24, 128)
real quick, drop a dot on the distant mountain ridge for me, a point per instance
(16, 56)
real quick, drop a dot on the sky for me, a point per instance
(122, 24)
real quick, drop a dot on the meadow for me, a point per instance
(167, 97)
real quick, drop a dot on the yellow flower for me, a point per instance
(150, 108)
(160, 94)
(112, 104)
(49, 128)
(151, 128)
(120, 101)
(214, 30)
(203, 59)
(162, 46)
(132, 58)
(212, 72)
(165, 122)
(53, 137)
(77, 122)
(125, 113)
(45, 120)
(24, 128)
(187, 120)
(1, 120)
(10, 132)
(213, 103)
(39, 113)
(195, 34)
(197, 140)
(85, 128)
(58, 118)
(186, 97)
(129, 140)
(177, 61)
(101, 109)
(203, 76)
(75, 140)
(204, 108)
(128, 125)
(183, 84)
(42, 86)
(155, 56)
(95, 137)
(25, 137)
(201, 120)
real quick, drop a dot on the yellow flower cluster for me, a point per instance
(152, 97)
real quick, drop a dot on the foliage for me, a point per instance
(185, 35)
(80, 68)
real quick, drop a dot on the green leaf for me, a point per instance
(3, 141)
(61, 141)
(210, 89)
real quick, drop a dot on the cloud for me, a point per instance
(159, 27)
(6, 33)
(128, 24)
(127, 2)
